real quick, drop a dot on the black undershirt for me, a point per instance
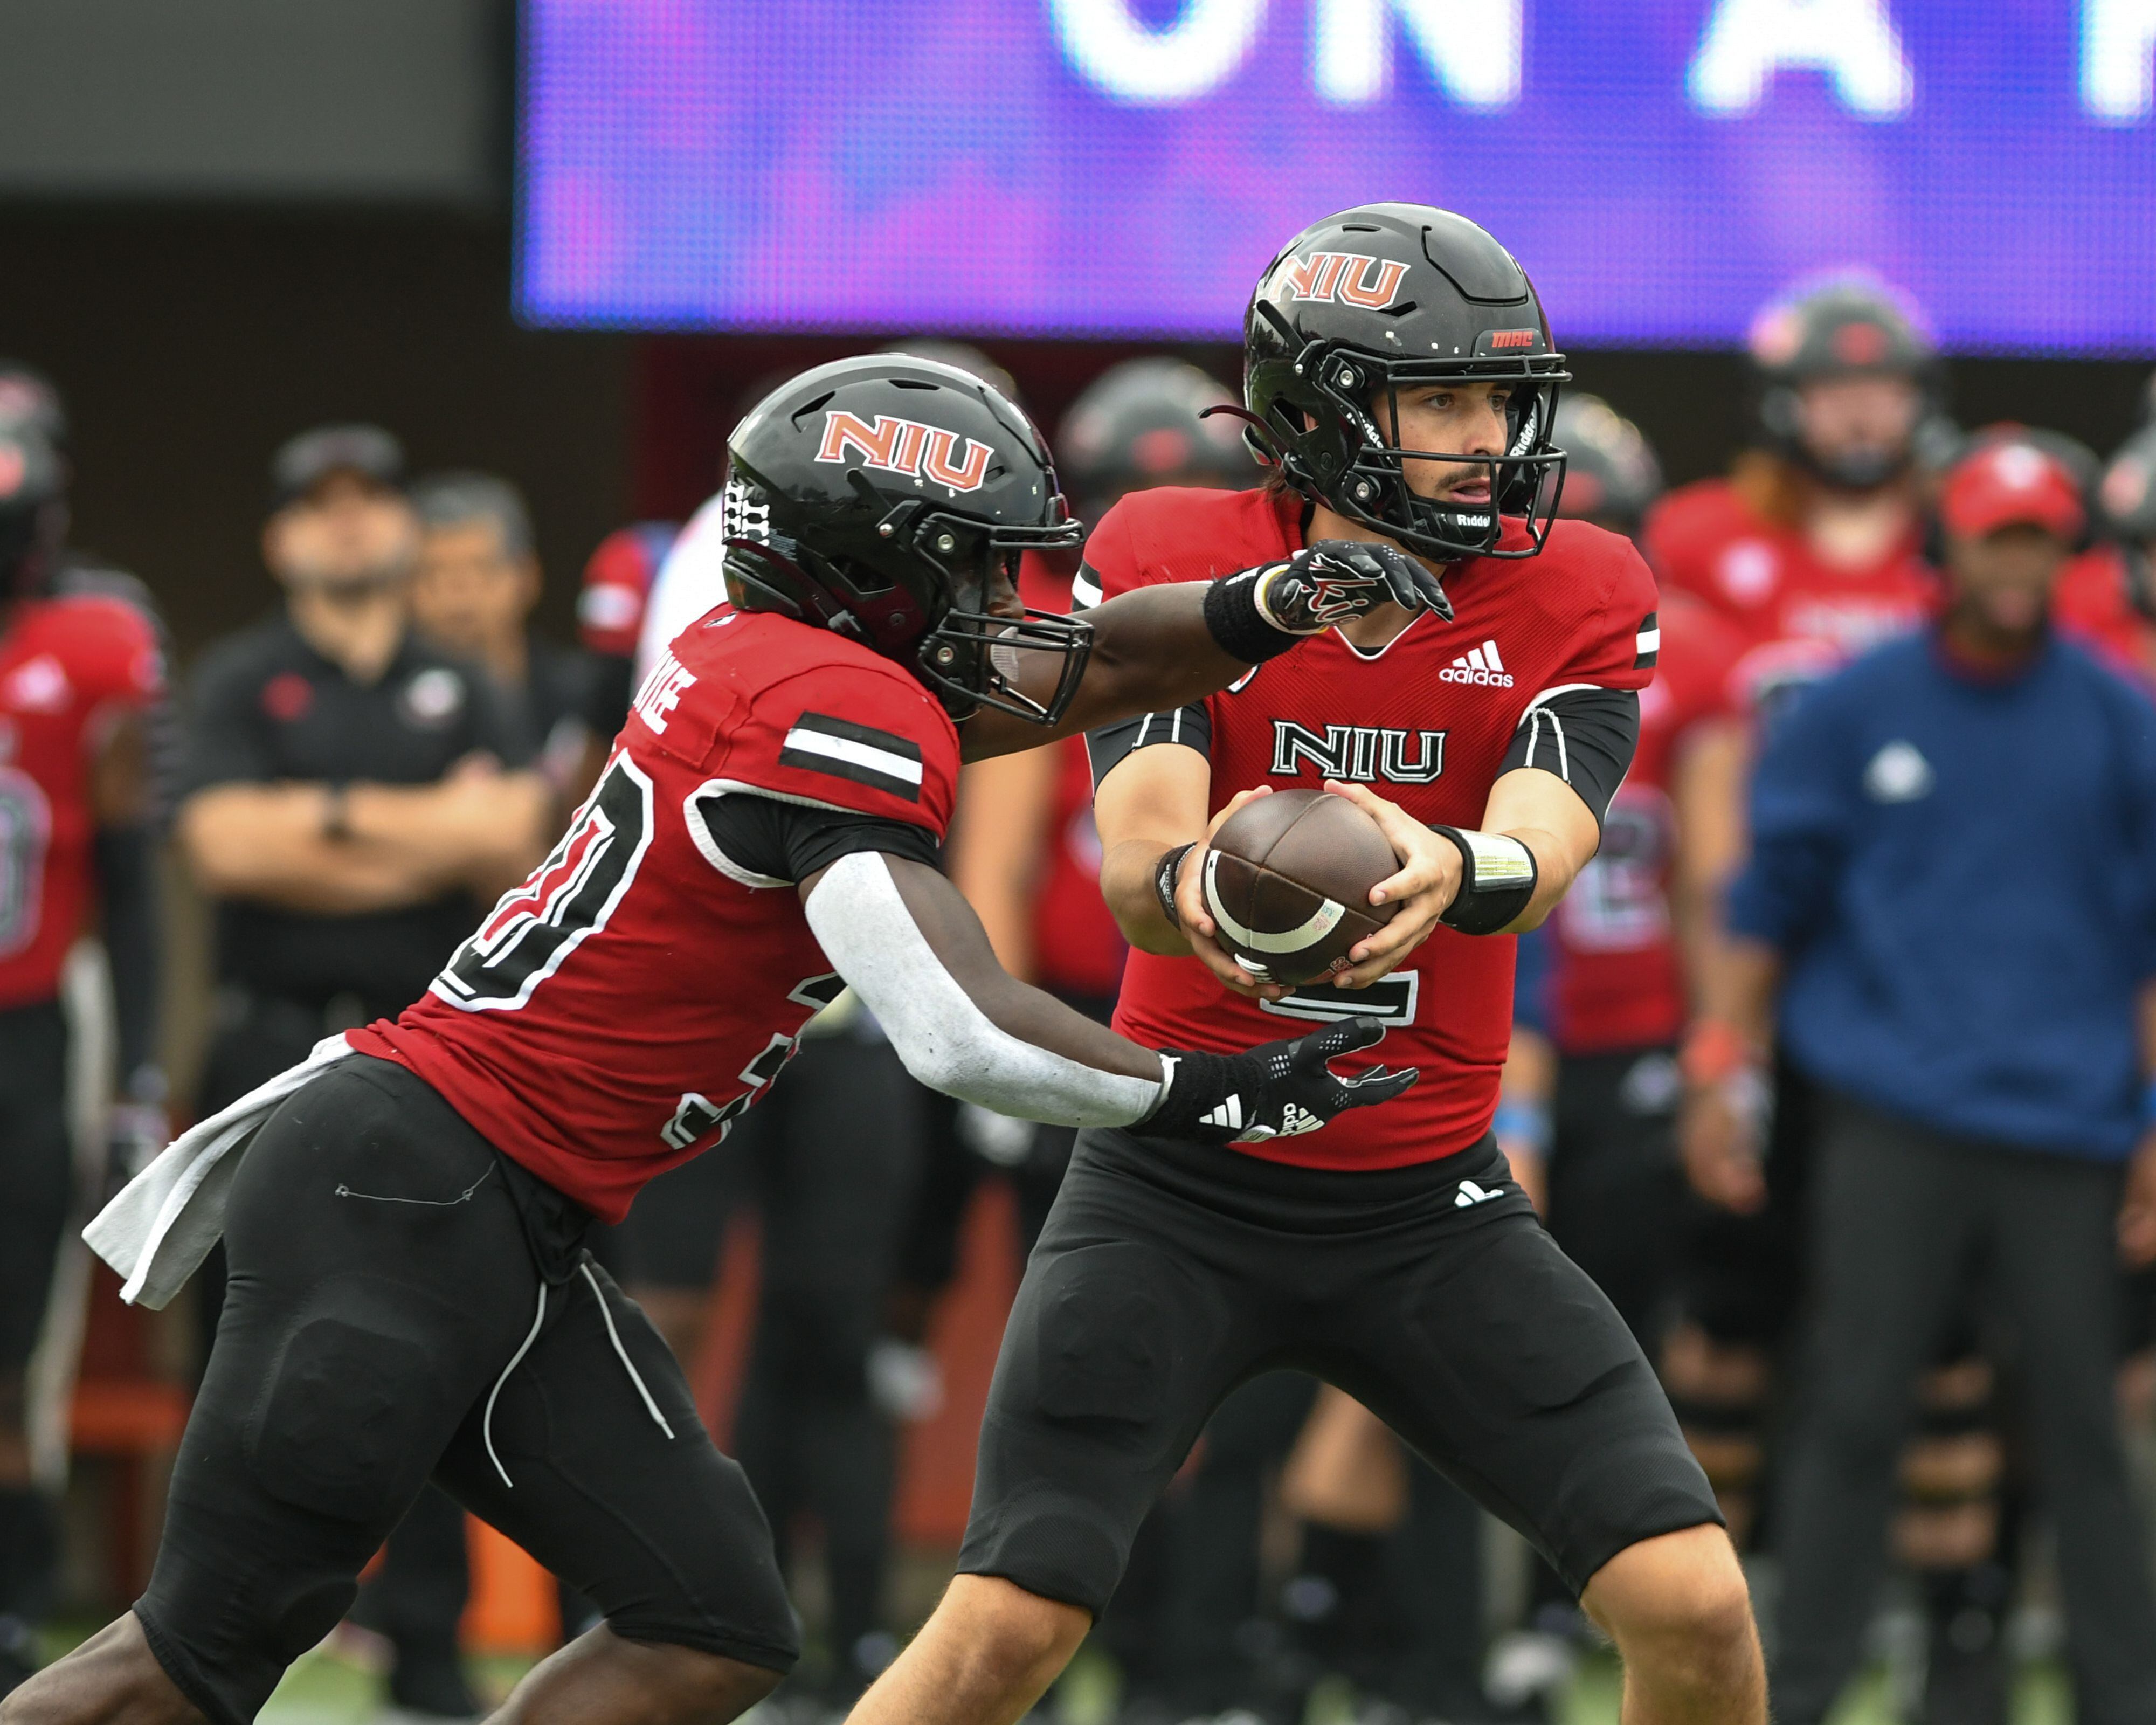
(790, 841)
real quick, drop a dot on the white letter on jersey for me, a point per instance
(662, 692)
(1852, 41)
(2118, 37)
(1118, 55)
(1472, 49)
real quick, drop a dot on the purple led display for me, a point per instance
(1126, 167)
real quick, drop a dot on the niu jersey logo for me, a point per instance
(1360, 753)
(1347, 277)
(1480, 666)
(905, 446)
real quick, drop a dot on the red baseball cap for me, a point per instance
(2010, 484)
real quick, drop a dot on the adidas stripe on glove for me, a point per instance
(1273, 1090)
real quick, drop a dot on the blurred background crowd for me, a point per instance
(324, 587)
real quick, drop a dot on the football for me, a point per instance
(1288, 884)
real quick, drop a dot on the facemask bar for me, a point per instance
(975, 658)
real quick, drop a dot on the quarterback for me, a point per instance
(1399, 375)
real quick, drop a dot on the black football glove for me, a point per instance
(1336, 579)
(1273, 1090)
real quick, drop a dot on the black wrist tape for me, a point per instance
(1237, 627)
(1163, 880)
(1497, 879)
(1196, 1083)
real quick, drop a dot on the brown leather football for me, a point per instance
(1287, 883)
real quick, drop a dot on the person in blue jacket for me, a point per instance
(1948, 922)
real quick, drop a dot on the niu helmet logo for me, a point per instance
(905, 446)
(1346, 277)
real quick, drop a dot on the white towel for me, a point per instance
(161, 1227)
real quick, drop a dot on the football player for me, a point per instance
(1399, 371)
(77, 673)
(409, 1295)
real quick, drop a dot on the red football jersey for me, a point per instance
(614, 1014)
(1425, 721)
(1764, 577)
(1077, 948)
(2094, 602)
(1615, 978)
(68, 666)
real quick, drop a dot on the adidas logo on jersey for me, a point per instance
(1469, 1194)
(1480, 666)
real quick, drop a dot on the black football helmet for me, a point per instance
(1389, 294)
(1143, 423)
(882, 497)
(34, 513)
(1844, 325)
(1611, 475)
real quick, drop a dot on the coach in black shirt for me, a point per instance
(351, 798)
(346, 797)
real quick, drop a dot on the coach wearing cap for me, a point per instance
(350, 799)
(1951, 910)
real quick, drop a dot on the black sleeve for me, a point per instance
(1585, 736)
(127, 882)
(1190, 725)
(607, 696)
(225, 741)
(497, 724)
(783, 842)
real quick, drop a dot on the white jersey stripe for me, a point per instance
(858, 754)
(1491, 648)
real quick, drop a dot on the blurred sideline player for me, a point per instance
(1811, 551)
(78, 675)
(473, 594)
(409, 1296)
(611, 597)
(1398, 368)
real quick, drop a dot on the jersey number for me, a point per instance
(697, 1114)
(25, 829)
(571, 895)
(1619, 903)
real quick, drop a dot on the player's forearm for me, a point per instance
(271, 843)
(1556, 868)
(1739, 989)
(1128, 872)
(479, 832)
(916, 956)
(1153, 650)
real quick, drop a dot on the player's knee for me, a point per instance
(1010, 1631)
(1679, 1602)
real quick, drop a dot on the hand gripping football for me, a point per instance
(1287, 883)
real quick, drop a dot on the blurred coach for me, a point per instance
(1954, 893)
(346, 802)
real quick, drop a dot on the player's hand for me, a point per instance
(1198, 928)
(2137, 1208)
(1336, 579)
(1274, 1090)
(1429, 878)
(1722, 1135)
